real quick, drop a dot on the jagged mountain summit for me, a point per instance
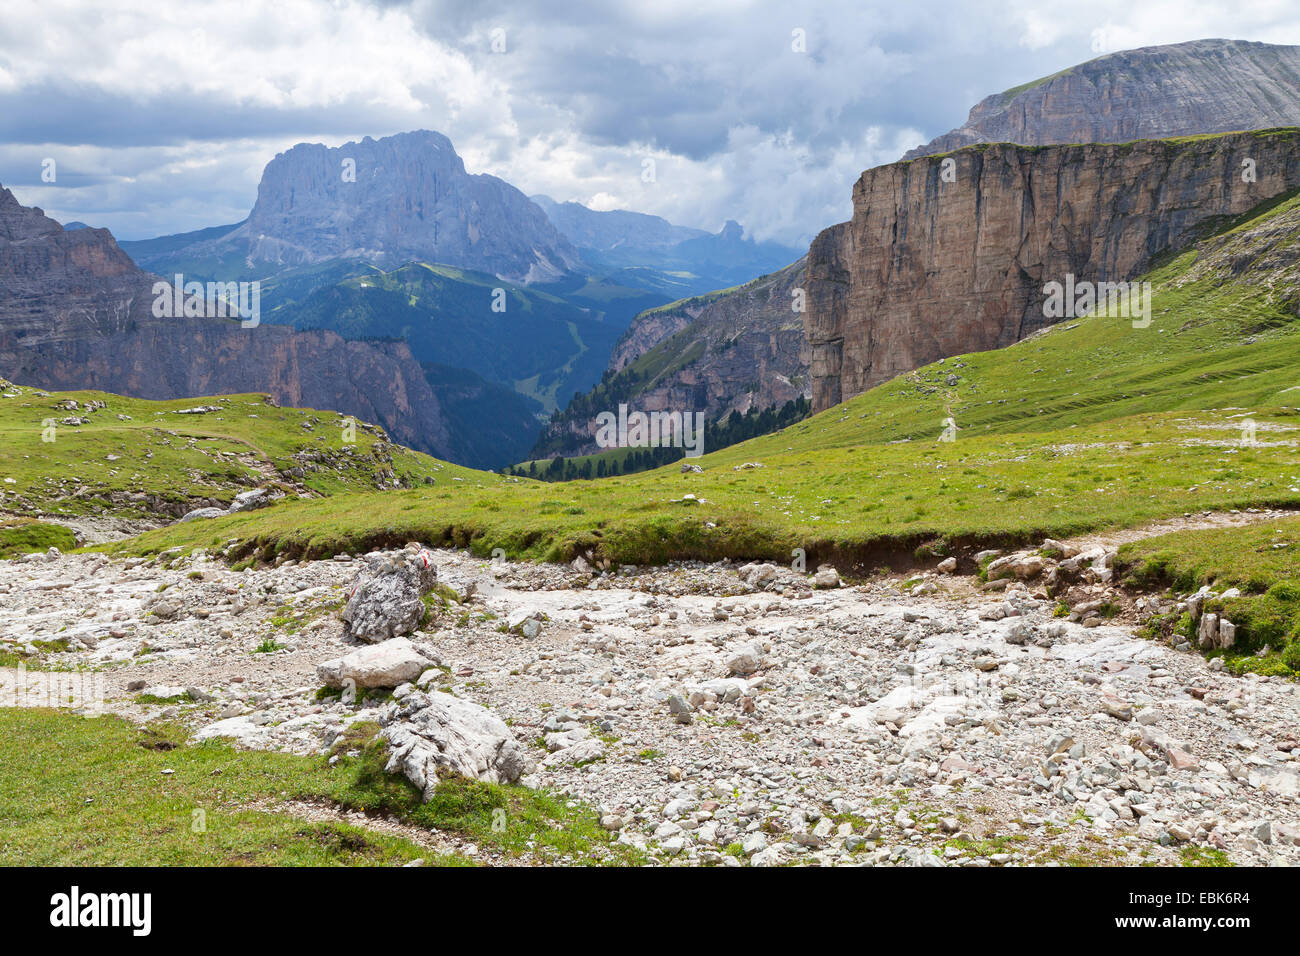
(1181, 89)
(390, 201)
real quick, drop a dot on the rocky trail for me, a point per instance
(1192, 521)
(712, 714)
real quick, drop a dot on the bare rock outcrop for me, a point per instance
(389, 664)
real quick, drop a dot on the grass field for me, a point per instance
(1091, 424)
(104, 792)
(134, 449)
(20, 536)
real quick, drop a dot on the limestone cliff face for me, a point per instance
(75, 312)
(1204, 86)
(927, 268)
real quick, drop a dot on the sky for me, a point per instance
(160, 117)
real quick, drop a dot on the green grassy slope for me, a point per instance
(135, 457)
(1090, 424)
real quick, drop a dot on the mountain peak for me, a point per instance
(23, 222)
(397, 199)
(1154, 92)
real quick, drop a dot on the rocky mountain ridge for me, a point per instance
(648, 252)
(614, 229)
(1180, 89)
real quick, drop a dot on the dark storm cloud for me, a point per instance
(50, 113)
(681, 80)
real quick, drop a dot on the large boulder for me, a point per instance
(1022, 565)
(385, 599)
(745, 659)
(759, 575)
(244, 501)
(431, 733)
(1208, 633)
(388, 664)
(257, 498)
(199, 514)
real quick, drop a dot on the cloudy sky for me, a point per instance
(160, 117)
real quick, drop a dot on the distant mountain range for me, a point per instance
(506, 306)
(650, 252)
(615, 231)
(408, 198)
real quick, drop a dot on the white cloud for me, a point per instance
(296, 53)
(603, 202)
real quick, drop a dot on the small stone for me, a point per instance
(826, 577)
(1120, 710)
